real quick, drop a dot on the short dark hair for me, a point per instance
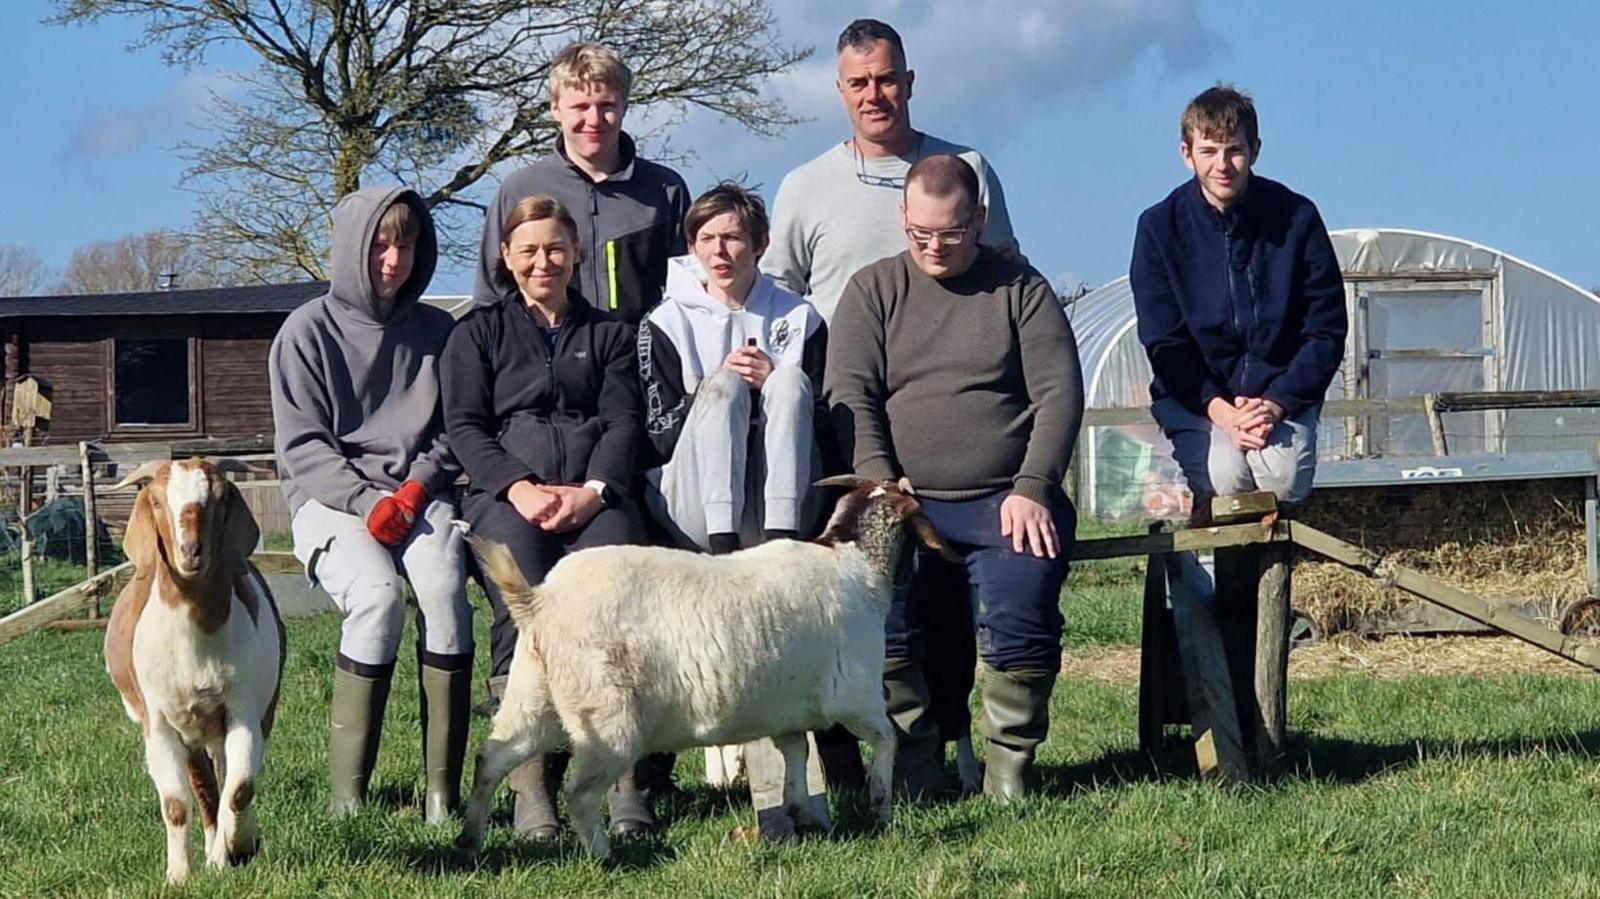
(1218, 114)
(943, 174)
(863, 33)
(729, 197)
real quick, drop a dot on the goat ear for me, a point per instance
(141, 543)
(240, 533)
(923, 528)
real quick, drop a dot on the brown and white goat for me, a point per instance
(628, 650)
(195, 646)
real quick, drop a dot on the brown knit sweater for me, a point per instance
(967, 385)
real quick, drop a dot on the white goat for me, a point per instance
(629, 650)
(195, 646)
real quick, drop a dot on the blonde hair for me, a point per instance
(587, 63)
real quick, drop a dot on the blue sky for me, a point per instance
(1475, 119)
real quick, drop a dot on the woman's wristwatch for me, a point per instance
(599, 487)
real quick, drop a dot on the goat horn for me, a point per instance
(843, 480)
(230, 465)
(905, 486)
(139, 475)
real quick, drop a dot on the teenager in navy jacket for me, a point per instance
(1241, 309)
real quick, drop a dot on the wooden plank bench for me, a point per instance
(1222, 667)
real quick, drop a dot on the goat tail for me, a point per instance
(499, 567)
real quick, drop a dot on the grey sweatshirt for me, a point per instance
(355, 394)
(839, 212)
(967, 385)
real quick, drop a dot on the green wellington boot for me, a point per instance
(1016, 718)
(919, 753)
(630, 803)
(358, 706)
(446, 698)
(534, 784)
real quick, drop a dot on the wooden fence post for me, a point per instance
(91, 529)
(30, 593)
(1272, 657)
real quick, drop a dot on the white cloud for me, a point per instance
(165, 120)
(989, 64)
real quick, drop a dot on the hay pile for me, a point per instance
(1519, 541)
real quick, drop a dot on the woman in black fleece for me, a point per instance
(542, 406)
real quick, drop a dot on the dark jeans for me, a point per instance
(536, 553)
(1015, 597)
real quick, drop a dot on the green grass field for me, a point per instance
(1436, 786)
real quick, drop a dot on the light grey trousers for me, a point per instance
(718, 481)
(1213, 466)
(366, 580)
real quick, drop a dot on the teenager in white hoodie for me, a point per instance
(732, 371)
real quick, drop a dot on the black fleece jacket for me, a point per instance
(516, 410)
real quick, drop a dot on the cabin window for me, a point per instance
(152, 382)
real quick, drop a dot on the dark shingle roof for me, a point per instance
(209, 301)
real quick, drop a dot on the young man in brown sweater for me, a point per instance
(954, 367)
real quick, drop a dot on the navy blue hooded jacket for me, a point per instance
(1244, 303)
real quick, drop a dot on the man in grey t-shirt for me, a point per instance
(841, 211)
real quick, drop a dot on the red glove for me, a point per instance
(391, 519)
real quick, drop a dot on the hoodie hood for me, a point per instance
(355, 223)
(686, 284)
(703, 331)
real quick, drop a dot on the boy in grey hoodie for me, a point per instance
(370, 479)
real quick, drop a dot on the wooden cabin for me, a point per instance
(175, 365)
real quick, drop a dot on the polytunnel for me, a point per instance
(1428, 313)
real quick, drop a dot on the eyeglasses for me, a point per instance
(888, 181)
(947, 237)
(871, 179)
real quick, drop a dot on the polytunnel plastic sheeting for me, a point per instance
(1544, 335)
(1369, 252)
(1552, 333)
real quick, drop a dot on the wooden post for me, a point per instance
(1219, 750)
(1272, 657)
(1238, 572)
(91, 542)
(1153, 655)
(30, 593)
(1430, 405)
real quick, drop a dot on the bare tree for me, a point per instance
(429, 93)
(150, 261)
(22, 271)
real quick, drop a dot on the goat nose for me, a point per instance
(190, 549)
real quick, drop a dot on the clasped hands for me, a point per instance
(1247, 421)
(554, 508)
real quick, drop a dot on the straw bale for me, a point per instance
(1520, 540)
